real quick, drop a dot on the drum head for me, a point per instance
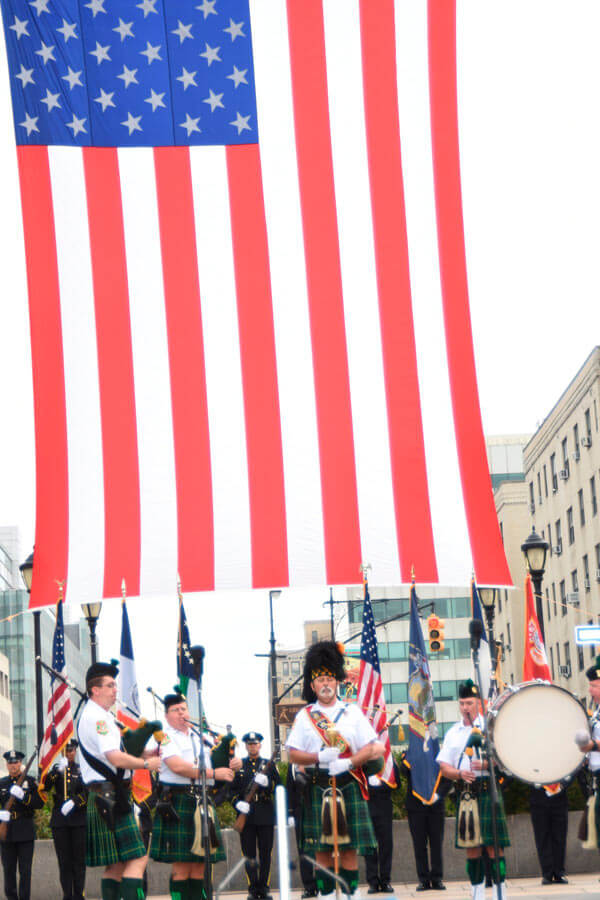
(532, 733)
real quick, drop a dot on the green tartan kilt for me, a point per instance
(171, 841)
(105, 847)
(484, 801)
(360, 827)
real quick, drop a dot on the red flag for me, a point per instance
(535, 661)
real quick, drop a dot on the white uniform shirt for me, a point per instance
(352, 724)
(594, 756)
(454, 744)
(184, 745)
(99, 733)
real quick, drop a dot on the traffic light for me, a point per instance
(435, 627)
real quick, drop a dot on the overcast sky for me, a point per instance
(529, 94)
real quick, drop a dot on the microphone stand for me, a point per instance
(198, 658)
(492, 777)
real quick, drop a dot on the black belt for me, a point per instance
(322, 778)
(102, 785)
(178, 788)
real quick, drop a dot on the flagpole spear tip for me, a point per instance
(123, 589)
(179, 594)
(61, 585)
(412, 573)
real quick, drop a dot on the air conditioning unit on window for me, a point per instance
(558, 549)
(563, 474)
(586, 441)
(573, 598)
(565, 671)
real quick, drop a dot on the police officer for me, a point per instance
(296, 785)
(378, 862)
(260, 822)
(426, 825)
(68, 821)
(17, 849)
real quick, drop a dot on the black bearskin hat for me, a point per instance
(593, 673)
(323, 658)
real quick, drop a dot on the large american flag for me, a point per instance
(252, 359)
(370, 695)
(59, 717)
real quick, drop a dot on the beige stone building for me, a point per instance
(6, 718)
(560, 498)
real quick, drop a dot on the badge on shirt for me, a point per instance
(166, 740)
(102, 727)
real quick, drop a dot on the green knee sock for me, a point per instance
(350, 876)
(476, 870)
(179, 889)
(132, 889)
(325, 883)
(196, 887)
(110, 889)
(501, 867)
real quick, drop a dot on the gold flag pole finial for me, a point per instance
(364, 569)
(123, 590)
(412, 573)
(179, 594)
(61, 589)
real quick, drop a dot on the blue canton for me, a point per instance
(119, 73)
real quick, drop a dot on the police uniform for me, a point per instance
(426, 825)
(378, 863)
(260, 821)
(17, 849)
(68, 827)
(549, 811)
(295, 786)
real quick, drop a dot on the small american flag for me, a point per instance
(370, 687)
(59, 718)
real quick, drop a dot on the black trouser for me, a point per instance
(379, 862)
(425, 825)
(69, 844)
(260, 836)
(14, 852)
(307, 870)
(550, 825)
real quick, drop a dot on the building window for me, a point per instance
(586, 573)
(580, 658)
(581, 507)
(547, 603)
(588, 423)
(314, 637)
(545, 481)
(576, 441)
(565, 454)
(570, 526)
(567, 647)
(593, 497)
(575, 581)
(553, 475)
(531, 498)
(296, 668)
(592, 646)
(554, 597)
(563, 598)
(558, 654)
(539, 484)
(558, 533)
(499, 601)
(285, 668)
(550, 537)
(552, 663)
(508, 638)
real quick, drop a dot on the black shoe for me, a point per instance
(561, 879)
(373, 889)
(437, 885)
(423, 886)
(546, 880)
(309, 892)
(386, 888)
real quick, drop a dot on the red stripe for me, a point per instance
(409, 475)
(317, 197)
(122, 541)
(186, 365)
(52, 488)
(259, 369)
(486, 545)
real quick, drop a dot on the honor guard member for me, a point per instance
(591, 746)
(460, 760)
(260, 814)
(341, 751)
(174, 839)
(378, 863)
(113, 837)
(426, 826)
(17, 849)
(295, 785)
(549, 809)
(68, 821)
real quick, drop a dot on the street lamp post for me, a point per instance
(488, 600)
(26, 570)
(535, 549)
(91, 611)
(273, 658)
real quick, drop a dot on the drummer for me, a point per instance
(461, 760)
(592, 745)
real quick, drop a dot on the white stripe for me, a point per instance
(158, 513)
(302, 475)
(229, 466)
(377, 519)
(85, 571)
(128, 691)
(447, 509)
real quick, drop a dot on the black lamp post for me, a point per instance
(487, 596)
(91, 611)
(26, 570)
(273, 658)
(535, 549)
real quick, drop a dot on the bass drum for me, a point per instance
(531, 730)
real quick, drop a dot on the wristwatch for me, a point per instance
(145, 764)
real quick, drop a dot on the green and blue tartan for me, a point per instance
(360, 827)
(484, 800)
(171, 841)
(105, 847)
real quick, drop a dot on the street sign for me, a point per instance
(286, 712)
(587, 634)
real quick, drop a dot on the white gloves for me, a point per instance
(242, 807)
(582, 738)
(374, 781)
(4, 815)
(261, 779)
(291, 820)
(17, 792)
(339, 766)
(62, 763)
(67, 807)
(328, 754)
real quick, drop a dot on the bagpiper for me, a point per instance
(334, 739)
(591, 746)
